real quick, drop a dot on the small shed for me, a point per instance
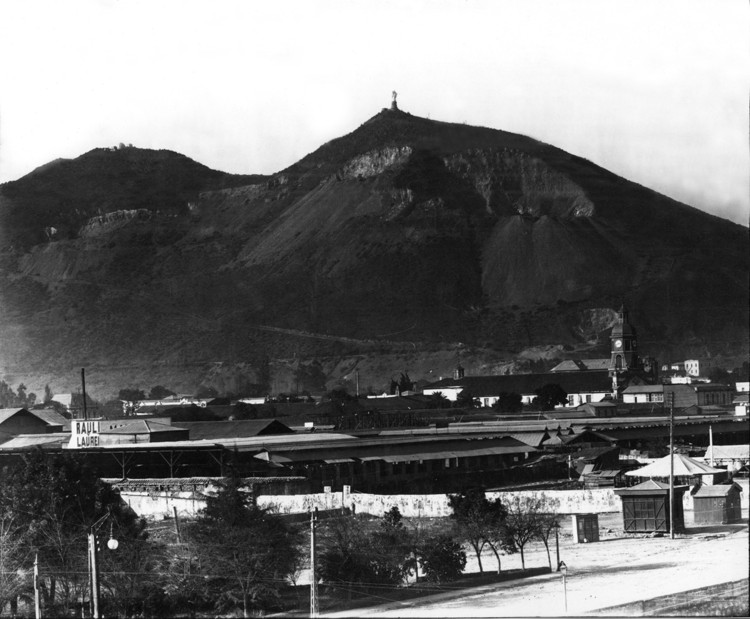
(717, 504)
(585, 528)
(645, 507)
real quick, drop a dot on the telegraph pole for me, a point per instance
(94, 575)
(37, 602)
(313, 577)
(83, 387)
(671, 465)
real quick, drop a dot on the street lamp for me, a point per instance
(564, 569)
(557, 543)
(112, 544)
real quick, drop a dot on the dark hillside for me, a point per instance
(406, 235)
(65, 193)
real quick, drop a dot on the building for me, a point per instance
(18, 421)
(646, 508)
(680, 396)
(581, 387)
(718, 504)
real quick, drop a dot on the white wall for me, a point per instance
(594, 501)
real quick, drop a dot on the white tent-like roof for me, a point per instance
(683, 467)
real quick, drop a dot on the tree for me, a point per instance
(131, 395)
(59, 497)
(549, 396)
(21, 394)
(356, 553)
(442, 558)
(159, 393)
(466, 400)
(523, 522)
(508, 402)
(246, 552)
(206, 391)
(548, 521)
(47, 394)
(15, 558)
(479, 522)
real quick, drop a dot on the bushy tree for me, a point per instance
(480, 522)
(465, 399)
(361, 555)
(246, 553)
(59, 497)
(508, 402)
(549, 396)
(442, 558)
(158, 392)
(131, 395)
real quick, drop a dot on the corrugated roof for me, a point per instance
(733, 452)
(683, 467)
(578, 365)
(25, 441)
(135, 426)
(534, 439)
(52, 417)
(211, 430)
(7, 413)
(716, 491)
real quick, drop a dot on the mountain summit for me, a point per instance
(406, 230)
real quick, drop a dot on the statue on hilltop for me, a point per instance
(394, 105)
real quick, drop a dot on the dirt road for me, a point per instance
(616, 570)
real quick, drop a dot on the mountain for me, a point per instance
(400, 244)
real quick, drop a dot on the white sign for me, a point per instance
(84, 434)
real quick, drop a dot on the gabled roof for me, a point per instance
(7, 413)
(579, 365)
(649, 487)
(210, 430)
(52, 417)
(683, 467)
(596, 381)
(716, 491)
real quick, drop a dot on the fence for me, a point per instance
(593, 501)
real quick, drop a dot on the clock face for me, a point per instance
(618, 343)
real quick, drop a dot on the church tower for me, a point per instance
(623, 349)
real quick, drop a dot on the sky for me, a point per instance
(656, 92)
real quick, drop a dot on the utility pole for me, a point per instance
(37, 602)
(83, 387)
(671, 465)
(356, 373)
(313, 576)
(94, 575)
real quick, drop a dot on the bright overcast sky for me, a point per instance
(656, 91)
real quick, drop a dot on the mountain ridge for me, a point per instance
(441, 232)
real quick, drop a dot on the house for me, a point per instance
(680, 396)
(73, 402)
(581, 387)
(18, 421)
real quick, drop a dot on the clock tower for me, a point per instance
(623, 347)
